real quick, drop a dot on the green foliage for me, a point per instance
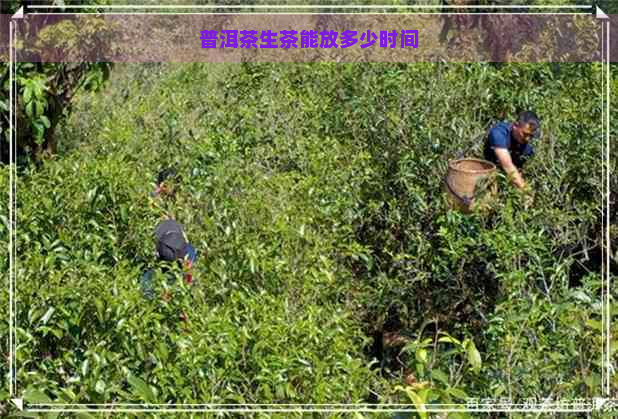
(314, 196)
(44, 90)
(44, 93)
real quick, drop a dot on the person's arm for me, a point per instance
(504, 157)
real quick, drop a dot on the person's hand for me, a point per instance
(527, 197)
(528, 201)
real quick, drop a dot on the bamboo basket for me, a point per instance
(470, 182)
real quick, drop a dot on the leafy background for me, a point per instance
(331, 268)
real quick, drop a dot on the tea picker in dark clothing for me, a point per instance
(171, 243)
(507, 145)
(171, 246)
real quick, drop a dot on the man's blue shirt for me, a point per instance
(500, 137)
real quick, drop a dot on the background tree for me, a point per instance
(45, 90)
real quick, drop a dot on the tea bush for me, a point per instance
(331, 266)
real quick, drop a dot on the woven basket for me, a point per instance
(467, 179)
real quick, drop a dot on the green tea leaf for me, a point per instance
(100, 387)
(421, 356)
(141, 388)
(419, 403)
(84, 368)
(449, 339)
(474, 357)
(45, 121)
(36, 396)
(47, 315)
(439, 376)
(458, 393)
(27, 94)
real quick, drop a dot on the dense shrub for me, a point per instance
(332, 268)
(44, 91)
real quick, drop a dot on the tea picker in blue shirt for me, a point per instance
(508, 145)
(171, 246)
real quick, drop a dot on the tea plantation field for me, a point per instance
(331, 268)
